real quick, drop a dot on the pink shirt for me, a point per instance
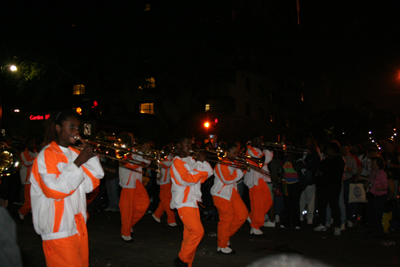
(379, 180)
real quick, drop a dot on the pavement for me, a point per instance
(157, 244)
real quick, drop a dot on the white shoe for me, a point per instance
(349, 224)
(248, 219)
(337, 231)
(343, 227)
(269, 224)
(155, 218)
(21, 216)
(320, 228)
(297, 228)
(277, 219)
(254, 231)
(282, 226)
(173, 224)
(126, 238)
(226, 250)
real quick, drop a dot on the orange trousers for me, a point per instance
(69, 251)
(164, 205)
(232, 214)
(27, 204)
(260, 203)
(193, 232)
(133, 204)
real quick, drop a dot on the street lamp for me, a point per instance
(12, 68)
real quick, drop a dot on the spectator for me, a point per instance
(311, 161)
(329, 183)
(377, 195)
(351, 170)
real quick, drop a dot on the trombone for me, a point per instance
(284, 148)
(122, 154)
(241, 162)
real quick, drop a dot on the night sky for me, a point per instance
(344, 52)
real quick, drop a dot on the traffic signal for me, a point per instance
(79, 110)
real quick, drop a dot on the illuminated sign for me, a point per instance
(39, 117)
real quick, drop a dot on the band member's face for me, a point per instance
(68, 131)
(31, 145)
(145, 147)
(185, 147)
(232, 153)
(258, 142)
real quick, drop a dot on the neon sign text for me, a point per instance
(39, 117)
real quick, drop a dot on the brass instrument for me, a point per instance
(118, 151)
(241, 162)
(284, 148)
(9, 161)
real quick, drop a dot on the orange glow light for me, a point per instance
(207, 124)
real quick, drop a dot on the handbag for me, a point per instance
(357, 193)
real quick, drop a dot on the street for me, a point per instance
(158, 244)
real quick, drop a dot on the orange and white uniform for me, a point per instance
(27, 159)
(134, 200)
(58, 195)
(187, 175)
(165, 191)
(260, 195)
(231, 209)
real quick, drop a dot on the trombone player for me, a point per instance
(134, 200)
(259, 192)
(231, 209)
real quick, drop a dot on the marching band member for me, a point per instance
(134, 199)
(260, 194)
(61, 176)
(27, 159)
(165, 191)
(187, 174)
(231, 209)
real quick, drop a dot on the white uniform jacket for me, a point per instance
(225, 179)
(251, 177)
(58, 190)
(27, 159)
(165, 171)
(186, 175)
(130, 172)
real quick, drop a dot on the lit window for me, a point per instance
(151, 83)
(147, 108)
(207, 107)
(79, 89)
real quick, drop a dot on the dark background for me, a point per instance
(344, 54)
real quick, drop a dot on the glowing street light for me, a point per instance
(207, 124)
